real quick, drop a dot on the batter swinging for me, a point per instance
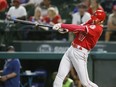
(86, 37)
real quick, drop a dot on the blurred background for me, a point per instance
(40, 50)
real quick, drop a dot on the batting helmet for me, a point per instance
(99, 15)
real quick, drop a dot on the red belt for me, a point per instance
(78, 46)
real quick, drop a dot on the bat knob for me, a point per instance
(63, 31)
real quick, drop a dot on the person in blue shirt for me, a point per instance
(11, 72)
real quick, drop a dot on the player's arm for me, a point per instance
(70, 27)
(9, 76)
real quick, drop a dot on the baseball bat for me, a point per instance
(62, 31)
(30, 23)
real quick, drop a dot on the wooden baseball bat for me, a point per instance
(39, 25)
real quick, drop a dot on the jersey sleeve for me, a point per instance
(94, 30)
(74, 28)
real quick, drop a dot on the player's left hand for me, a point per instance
(3, 78)
(57, 26)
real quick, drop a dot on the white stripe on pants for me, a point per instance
(78, 59)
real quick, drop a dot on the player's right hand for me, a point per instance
(57, 26)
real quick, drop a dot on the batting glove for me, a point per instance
(57, 26)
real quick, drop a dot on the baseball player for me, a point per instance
(86, 37)
(3, 5)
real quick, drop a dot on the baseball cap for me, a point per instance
(114, 7)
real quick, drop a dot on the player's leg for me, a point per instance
(93, 84)
(64, 68)
(80, 66)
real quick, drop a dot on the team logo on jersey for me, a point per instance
(92, 26)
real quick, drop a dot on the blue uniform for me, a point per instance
(12, 66)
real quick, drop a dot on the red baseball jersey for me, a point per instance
(3, 4)
(86, 35)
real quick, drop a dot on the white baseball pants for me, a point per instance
(78, 59)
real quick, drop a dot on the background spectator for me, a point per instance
(30, 2)
(81, 16)
(17, 11)
(44, 5)
(53, 17)
(68, 82)
(3, 5)
(111, 26)
(95, 5)
(37, 16)
(75, 78)
(86, 2)
(11, 72)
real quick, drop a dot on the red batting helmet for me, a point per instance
(99, 15)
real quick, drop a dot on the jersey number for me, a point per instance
(82, 36)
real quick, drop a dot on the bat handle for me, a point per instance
(63, 31)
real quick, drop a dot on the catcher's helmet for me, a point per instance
(99, 15)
